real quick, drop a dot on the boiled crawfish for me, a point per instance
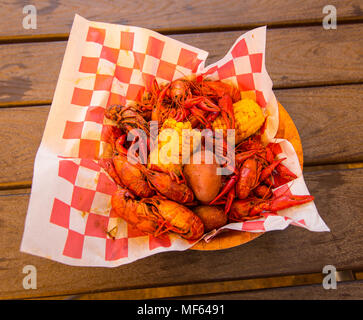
(157, 216)
(255, 167)
(142, 181)
(224, 95)
(165, 185)
(132, 177)
(198, 101)
(217, 89)
(248, 177)
(252, 208)
(127, 118)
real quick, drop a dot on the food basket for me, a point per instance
(70, 216)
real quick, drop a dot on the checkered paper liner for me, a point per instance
(69, 217)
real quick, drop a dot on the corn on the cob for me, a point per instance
(248, 119)
(170, 159)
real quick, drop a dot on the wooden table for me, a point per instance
(318, 78)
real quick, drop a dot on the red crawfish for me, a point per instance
(224, 95)
(127, 118)
(251, 208)
(132, 177)
(157, 216)
(235, 185)
(199, 102)
(255, 165)
(188, 105)
(218, 89)
(165, 185)
(248, 179)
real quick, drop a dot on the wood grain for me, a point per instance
(295, 57)
(202, 289)
(328, 120)
(291, 251)
(345, 291)
(170, 15)
(21, 133)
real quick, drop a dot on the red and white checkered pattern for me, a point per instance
(114, 65)
(244, 67)
(110, 72)
(119, 75)
(88, 215)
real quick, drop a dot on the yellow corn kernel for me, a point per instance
(248, 119)
(172, 162)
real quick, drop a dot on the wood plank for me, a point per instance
(336, 166)
(201, 289)
(345, 291)
(291, 251)
(328, 119)
(171, 15)
(21, 131)
(295, 57)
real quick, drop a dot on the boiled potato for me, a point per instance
(213, 217)
(203, 178)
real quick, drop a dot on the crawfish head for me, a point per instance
(134, 212)
(177, 218)
(127, 117)
(131, 176)
(179, 90)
